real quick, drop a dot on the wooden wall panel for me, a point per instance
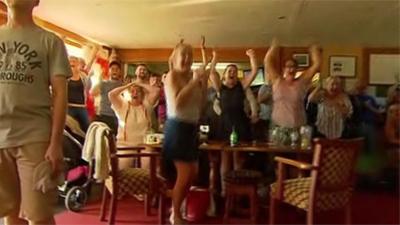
(154, 56)
(3, 7)
(3, 19)
(71, 38)
(3, 13)
(162, 55)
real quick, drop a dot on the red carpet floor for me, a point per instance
(368, 208)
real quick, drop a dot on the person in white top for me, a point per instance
(185, 93)
(334, 107)
(134, 114)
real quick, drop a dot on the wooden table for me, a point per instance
(214, 149)
(219, 146)
(248, 147)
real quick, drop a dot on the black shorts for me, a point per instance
(180, 144)
(180, 141)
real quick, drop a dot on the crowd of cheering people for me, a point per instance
(149, 102)
(174, 103)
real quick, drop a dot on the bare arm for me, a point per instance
(316, 95)
(181, 93)
(203, 51)
(204, 87)
(269, 66)
(183, 96)
(346, 107)
(254, 67)
(214, 76)
(315, 66)
(390, 127)
(91, 59)
(153, 92)
(95, 90)
(204, 82)
(253, 104)
(263, 96)
(59, 90)
(115, 96)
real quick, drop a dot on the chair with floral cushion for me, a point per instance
(129, 181)
(330, 185)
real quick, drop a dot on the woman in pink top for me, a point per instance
(288, 92)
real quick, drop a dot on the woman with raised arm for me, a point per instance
(134, 115)
(288, 92)
(334, 107)
(77, 88)
(185, 94)
(232, 92)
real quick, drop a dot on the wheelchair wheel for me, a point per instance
(75, 199)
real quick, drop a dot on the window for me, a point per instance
(74, 51)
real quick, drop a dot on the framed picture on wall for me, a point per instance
(302, 60)
(343, 66)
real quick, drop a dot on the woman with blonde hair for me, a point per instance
(185, 93)
(334, 107)
(77, 87)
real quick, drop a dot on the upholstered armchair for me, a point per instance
(330, 185)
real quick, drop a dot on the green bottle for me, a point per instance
(234, 139)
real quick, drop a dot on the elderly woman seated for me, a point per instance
(134, 114)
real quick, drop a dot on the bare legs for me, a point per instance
(187, 172)
(13, 219)
(226, 165)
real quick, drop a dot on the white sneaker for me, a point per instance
(140, 198)
(176, 221)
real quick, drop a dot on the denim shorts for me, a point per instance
(180, 144)
(180, 141)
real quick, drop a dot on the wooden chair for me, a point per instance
(128, 181)
(241, 183)
(163, 205)
(330, 185)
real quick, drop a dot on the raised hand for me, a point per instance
(203, 42)
(170, 59)
(214, 56)
(272, 48)
(314, 48)
(200, 74)
(250, 53)
(274, 42)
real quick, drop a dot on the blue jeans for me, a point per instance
(81, 115)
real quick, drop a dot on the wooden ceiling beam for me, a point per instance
(69, 37)
(3, 13)
(3, 8)
(162, 54)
